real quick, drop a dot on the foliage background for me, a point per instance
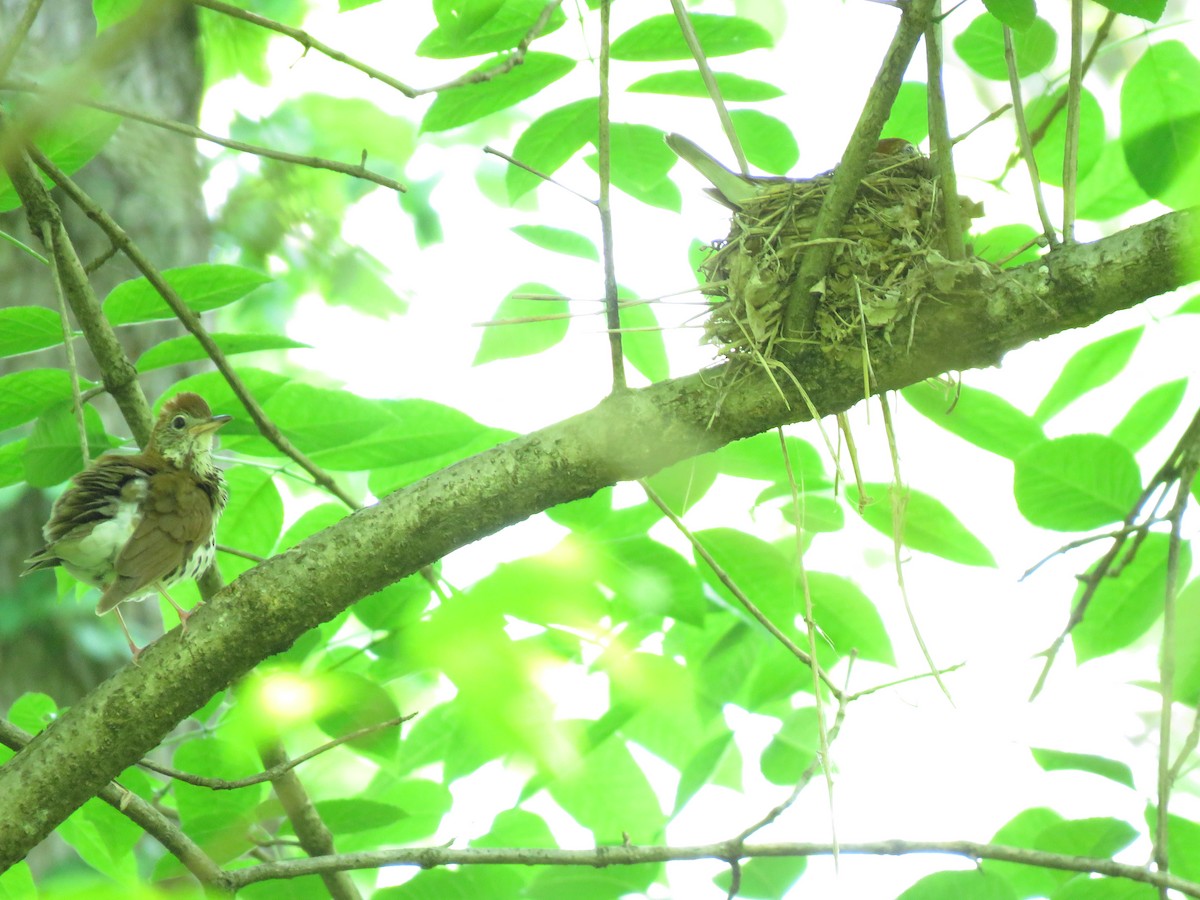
(585, 677)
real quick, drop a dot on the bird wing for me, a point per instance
(177, 518)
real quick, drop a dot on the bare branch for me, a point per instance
(311, 162)
(191, 322)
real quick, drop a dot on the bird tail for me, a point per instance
(731, 188)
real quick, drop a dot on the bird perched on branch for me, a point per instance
(133, 524)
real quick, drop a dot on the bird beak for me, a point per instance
(211, 425)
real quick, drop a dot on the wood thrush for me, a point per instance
(133, 524)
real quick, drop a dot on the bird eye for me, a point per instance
(178, 422)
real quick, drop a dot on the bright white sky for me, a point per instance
(908, 764)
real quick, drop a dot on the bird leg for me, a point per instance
(184, 615)
(133, 647)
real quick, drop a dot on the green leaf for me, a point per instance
(12, 462)
(981, 46)
(1124, 608)
(642, 341)
(465, 883)
(351, 702)
(1022, 831)
(69, 140)
(32, 711)
(706, 766)
(549, 141)
(345, 432)
(17, 882)
(469, 102)
(254, 517)
(1050, 150)
(516, 828)
(1058, 760)
(848, 618)
(233, 47)
(357, 814)
(109, 12)
(1149, 415)
(559, 240)
(975, 415)
(1092, 366)
(767, 142)
(657, 39)
(217, 820)
(512, 335)
(1109, 189)
(640, 163)
(909, 118)
(27, 328)
(689, 83)
(1076, 482)
(1160, 123)
(52, 453)
(999, 245)
(175, 351)
(649, 579)
(977, 885)
(472, 29)
(761, 457)
(1186, 636)
(793, 748)
(25, 395)
(104, 839)
(610, 795)
(1101, 837)
(1084, 887)
(1183, 844)
(1016, 14)
(201, 287)
(926, 524)
(1150, 10)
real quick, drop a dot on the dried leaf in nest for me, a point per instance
(885, 262)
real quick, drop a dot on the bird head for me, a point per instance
(183, 433)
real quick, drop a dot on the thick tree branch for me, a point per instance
(627, 436)
(141, 813)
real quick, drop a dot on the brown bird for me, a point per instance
(132, 524)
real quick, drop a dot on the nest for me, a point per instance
(885, 263)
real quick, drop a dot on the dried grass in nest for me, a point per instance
(886, 261)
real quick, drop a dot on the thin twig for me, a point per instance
(191, 322)
(311, 162)
(68, 348)
(510, 60)
(710, 83)
(542, 175)
(222, 784)
(941, 144)
(737, 592)
(1070, 172)
(1014, 84)
(622, 855)
(990, 117)
(843, 188)
(899, 499)
(8, 52)
(314, 835)
(1167, 666)
(1182, 462)
(810, 624)
(603, 146)
(308, 42)
(141, 813)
